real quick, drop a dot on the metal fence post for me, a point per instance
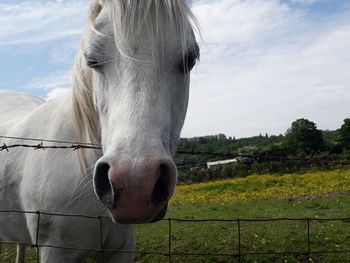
(239, 239)
(1, 251)
(101, 239)
(37, 238)
(169, 239)
(308, 241)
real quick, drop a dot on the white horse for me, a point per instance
(130, 94)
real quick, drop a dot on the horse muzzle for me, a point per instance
(135, 193)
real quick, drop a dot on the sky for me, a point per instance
(264, 63)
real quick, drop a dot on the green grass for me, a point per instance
(258, 237)
(220, 237)
(8, 254)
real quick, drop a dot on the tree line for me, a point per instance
(301, 139)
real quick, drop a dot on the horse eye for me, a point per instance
(189, 59)
(93, 62)
(188, 62)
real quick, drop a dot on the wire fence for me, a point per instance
(239, 253)
(70, 145)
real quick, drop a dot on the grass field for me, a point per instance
(315, 195)
(256, 236)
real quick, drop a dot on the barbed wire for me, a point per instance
(170, 253)
(266, 157)
(41, 146)
(245, 157)
(250, 158)
(49, 140)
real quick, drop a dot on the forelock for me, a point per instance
(129, 17)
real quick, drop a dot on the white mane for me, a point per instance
(128, 18)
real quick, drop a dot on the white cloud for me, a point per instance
(259, 74)
(56, 80)
(56, 93)
(64, 53)
(239, 22)
(41, 21)
(305, 2)
(56, 84)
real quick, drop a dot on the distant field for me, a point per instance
(264, 187)
(314, 195)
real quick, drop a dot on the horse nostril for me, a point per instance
(161, 192)
(103, 187)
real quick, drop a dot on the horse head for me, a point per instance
(134, 69)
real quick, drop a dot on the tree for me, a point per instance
(222, 137)
(344, 134)
(304, 137)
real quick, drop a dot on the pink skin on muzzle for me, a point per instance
(137, 194)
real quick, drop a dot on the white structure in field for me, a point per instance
(212, 164)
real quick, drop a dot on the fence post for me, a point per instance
(308, 241)
(37, 238)
(169, 239)
(101, 239)
(239, 239)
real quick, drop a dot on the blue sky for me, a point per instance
(264, 63)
